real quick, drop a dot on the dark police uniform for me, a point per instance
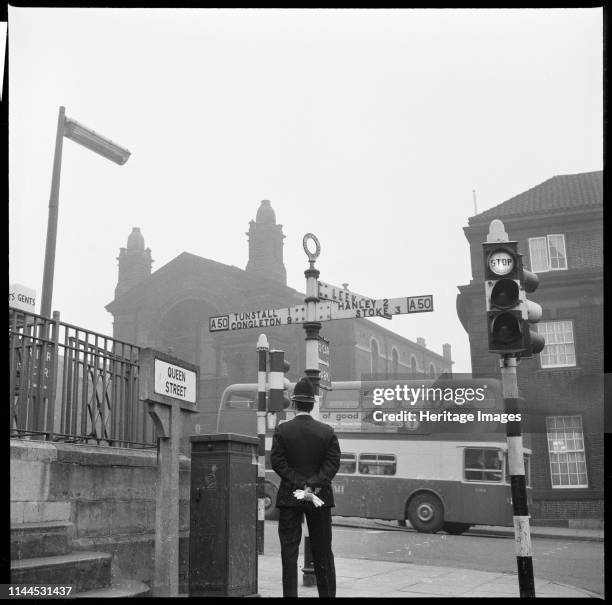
(306, 452)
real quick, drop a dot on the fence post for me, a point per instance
(53, 377)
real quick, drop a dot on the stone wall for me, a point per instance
(108, 494)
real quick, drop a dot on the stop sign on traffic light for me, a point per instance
(509, 313)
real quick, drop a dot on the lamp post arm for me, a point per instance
(47, 287)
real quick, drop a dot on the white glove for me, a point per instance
(301, 494)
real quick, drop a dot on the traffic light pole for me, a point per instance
(516, 463)
(262, 354)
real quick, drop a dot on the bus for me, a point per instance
(434, 476)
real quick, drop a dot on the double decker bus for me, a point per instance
(398, 466)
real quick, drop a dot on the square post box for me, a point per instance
(223, 516)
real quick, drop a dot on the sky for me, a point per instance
(368, 128)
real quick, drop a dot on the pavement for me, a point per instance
(368, 578)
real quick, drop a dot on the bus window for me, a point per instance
(240, 401)
(341, 399)
(482, 464)
(377, 464)
(526, 462)
(348, 463)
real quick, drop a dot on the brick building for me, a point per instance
(559, 228)
(169, 309)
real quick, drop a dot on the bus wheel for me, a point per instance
(456, 529)
(272, 513)
(425, 513)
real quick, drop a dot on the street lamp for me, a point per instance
(71, 129)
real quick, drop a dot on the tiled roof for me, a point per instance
(560, 193)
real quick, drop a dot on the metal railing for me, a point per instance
(74, 385)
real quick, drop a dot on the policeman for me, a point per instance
(306, 456)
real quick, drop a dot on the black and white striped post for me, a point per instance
(262, 353)
(516, 464)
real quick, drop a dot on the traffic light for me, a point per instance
(286, 385)
(279, 383)
(509, 313)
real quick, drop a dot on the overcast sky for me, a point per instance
(368, 128)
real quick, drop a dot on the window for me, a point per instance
(348, 463)
(547, 253)
(377, 464)
(432, 369)
(241, 401)
(342, 398)
(566, 451)
(559, 349)
(394, 361)
(482, 464)
(374, 355)
(413, 365)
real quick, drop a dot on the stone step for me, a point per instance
(118, 590)
(83, 570)
(41, 539)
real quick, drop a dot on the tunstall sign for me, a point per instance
(23, 298)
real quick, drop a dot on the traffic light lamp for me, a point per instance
(286, 385)
(509, 313)
(279, 383)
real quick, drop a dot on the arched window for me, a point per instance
(432, 369)
(394, 361)
(374, 355)
(413, 365)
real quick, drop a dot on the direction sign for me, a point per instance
(324, 311)
(324, 364)
(384, 307)
(267, 317)
(342, 296)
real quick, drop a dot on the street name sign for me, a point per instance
(175, 381)
(344, 298)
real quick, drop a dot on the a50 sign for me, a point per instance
(420, 304)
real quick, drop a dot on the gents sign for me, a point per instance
(22, 298)
(175, 381)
